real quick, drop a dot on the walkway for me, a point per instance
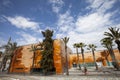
(75, 74)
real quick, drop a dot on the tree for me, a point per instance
(114, 34)
(40, 45)
(65, 40)
(92, 48)
(76, 45)
(4, 59)
(82, 51)
(13, 47)
(1, 54)
(47, 62)
(1, 57)
(33, 49)
(107, 43)
(10, 47)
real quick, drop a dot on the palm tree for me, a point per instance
(107, 43)
(41, 46)
(47, 62)
(92, 48)
(76, 45)
(114, 34)
(82, 51)
(1, 54)
(8, 54)
(33, 49)
(65, 40)
(13, 47)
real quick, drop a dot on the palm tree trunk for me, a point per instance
(78, 59)
(83, 56)
(94, 59)
(106, 56)
(115, 62)
(3, 64)
(11, 59)
(118, 44)
(33, 63)
(67, 72)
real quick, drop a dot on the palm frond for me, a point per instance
(65, 39)
(108, 34)
(82, 44)
(92, 46)
(106, 42)
(114, 33)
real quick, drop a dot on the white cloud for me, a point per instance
(27, 38)
(87, 38)
(65, 22)
(60, 35)
(108, 4)
(69, 27)
(92, 22)
(56, 5)
(95, 3)
(89, 29)
(56, 2)
(2, 42)
(23, 23)
(101, 5)
(86, 28)
(56, 9)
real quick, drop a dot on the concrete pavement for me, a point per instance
(75, 74)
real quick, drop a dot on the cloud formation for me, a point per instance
(88, 28)
(82, 23)
(2, 41)
(65, 22)
(92, 22)
(56, 5)
(100, 5)
(27, 38)
(23, 23)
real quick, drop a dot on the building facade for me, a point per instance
(100, 57)
(23, 59)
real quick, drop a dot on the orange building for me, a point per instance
(23, 58)
(99, 55)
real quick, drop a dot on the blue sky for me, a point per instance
(81, 20)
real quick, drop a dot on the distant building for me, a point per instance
(99, 55)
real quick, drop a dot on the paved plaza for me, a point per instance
(74, 74)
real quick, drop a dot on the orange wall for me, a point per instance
(57, 57)
(23, 58)
(60, 56)
(89, 57)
